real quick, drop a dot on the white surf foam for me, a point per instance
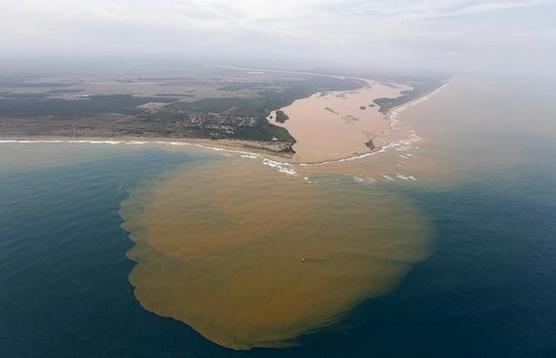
(282, 167)
(363, 180)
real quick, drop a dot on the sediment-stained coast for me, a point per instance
(218, 247)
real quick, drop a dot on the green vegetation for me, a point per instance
(420, 88)
(281, 117)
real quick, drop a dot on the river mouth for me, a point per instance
(333, 125)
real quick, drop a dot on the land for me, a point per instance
(419, 87)
(281, 117)
(204, 102)
(224, 106)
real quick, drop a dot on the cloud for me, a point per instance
(494, 6)
(330, 30)
(430, 9)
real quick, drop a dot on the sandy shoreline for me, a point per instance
(223, 145)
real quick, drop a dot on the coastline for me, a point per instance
(268, 151)
(219, 145)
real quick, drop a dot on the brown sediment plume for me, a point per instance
(250, 257)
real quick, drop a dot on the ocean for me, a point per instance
(459, 262)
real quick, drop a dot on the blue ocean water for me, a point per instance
(63, 270)
(487, 290)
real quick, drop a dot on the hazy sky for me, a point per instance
(430, 34)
